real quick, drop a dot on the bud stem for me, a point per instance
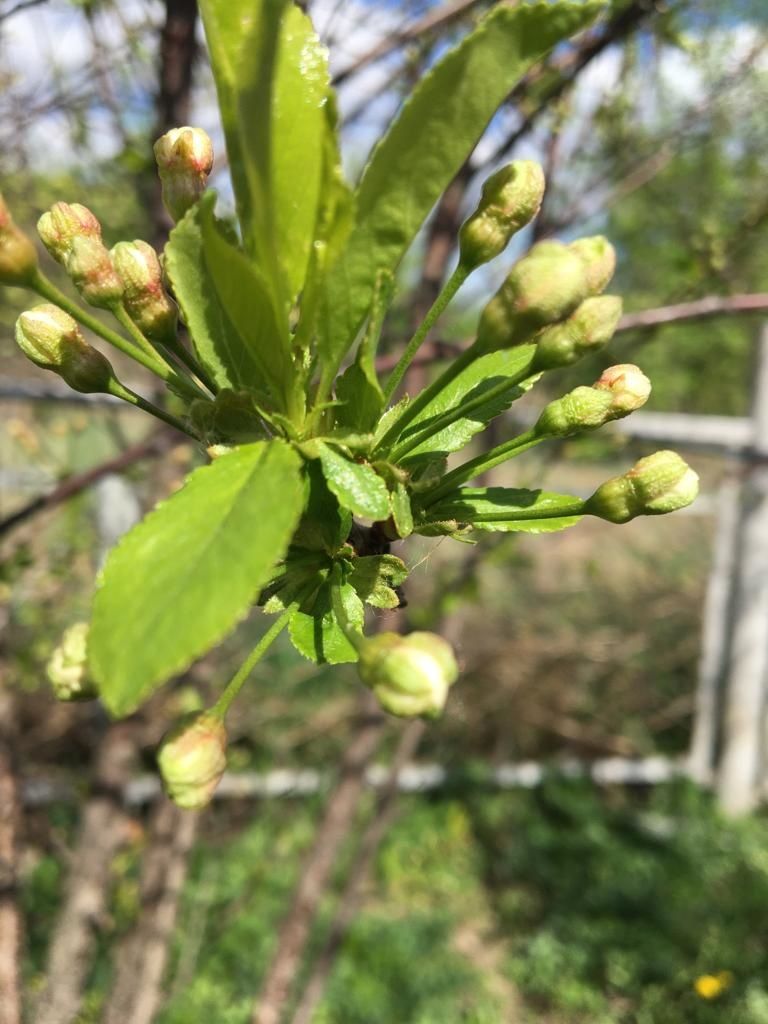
(234, 686)
(182, 381)
(469, 470)
(118, 390)
(456, 280)
(176, 347)
(48, 290)
(459, 412)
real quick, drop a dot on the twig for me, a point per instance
(102, 832)
(79, 482)
(10, 914)
(18, 8)
(333, 829)
(351, 899)
(137, 992)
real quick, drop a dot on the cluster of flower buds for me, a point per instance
(619, 391)
(587, 329)
(144, 296)
(545, 287)
(192, 759)
(67, 667)
(72, 235)
(184, 160)
(62, 224)
(660, 483)
(52, 339)
(510, 199)
(409, 675)
(18, 256)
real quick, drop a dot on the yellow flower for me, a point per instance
(710, 986)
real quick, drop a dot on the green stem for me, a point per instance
(456, 280)
(48, 290)
(576, 508)
(119, 390)
(422, 400)
(175, 346)
(234, 686)
(460, 412)
(181, 382)
(469, 470)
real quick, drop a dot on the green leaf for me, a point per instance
(316, 633)
(325, 525)
(357, 486)
(242, 291)
(401, 510)
(479, 377)
(375, 577)
(182, 578)
(216, 342)
(358, 389)
(272, 79)
(506, 509)
(426, 145)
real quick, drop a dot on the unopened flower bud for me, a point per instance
(599, 259)
(67, 667)
(542, 288)
(90, 267)
(144, 296)
(51, 339)
(510, 199)
(192, 759)
(62, 224)
(410, 675)
(18, 256)
(657, 484)
(628, 385)
(184, 160)
(586, 330)
(620, 391)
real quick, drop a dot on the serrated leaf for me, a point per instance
(358, 389)
(482, 375)
(357, 486)
(316, 633)
(375, 577)
(389, 417)
(401, 510)
(242, 291)
(507, 509)
(182, 578)
(426, 145)
(216, 342)
(325, 525)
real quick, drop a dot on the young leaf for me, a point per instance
(427, 143)
(358, 487)
(189, 571)
(316, 633)
(358, 389)
(401, 510)
(325, 525)
(272, 78)
(482, 375)
(509, 510)
(375, 577)
(216, 342)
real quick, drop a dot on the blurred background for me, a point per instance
(580, 838)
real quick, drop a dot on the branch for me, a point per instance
(10, 914)
(78, 482)
(435, 19)
(141, 961)
(351, 899)
(18, 8)
(102, 833)
(333, 830)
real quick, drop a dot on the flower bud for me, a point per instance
(587, 329)
(51, 339)
(618, 392)
(18, 256)
(62, 224)
(90, 267)
(192, 759)
(144, 296)
(599, 258)
(657, 484)
(510, 199)
(67, 667)
(409, 675)
(184, 160)
(542, 288)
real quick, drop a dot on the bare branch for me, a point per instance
(697, 309)
(23, 5)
